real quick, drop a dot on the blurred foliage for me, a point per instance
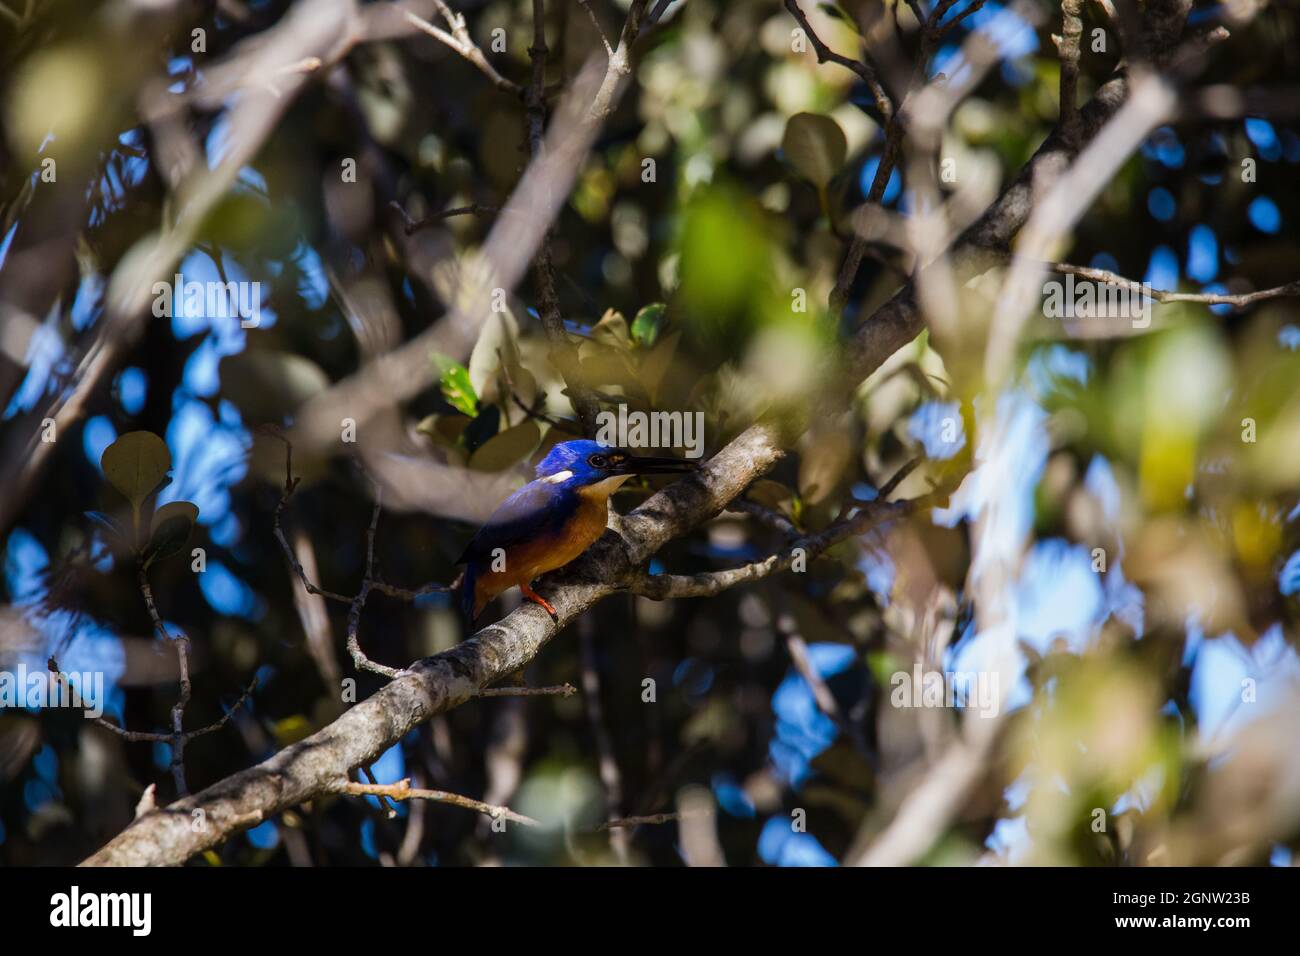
(1143, 676)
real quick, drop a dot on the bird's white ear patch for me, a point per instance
(558, 478)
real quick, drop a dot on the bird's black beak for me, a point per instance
(646, 465)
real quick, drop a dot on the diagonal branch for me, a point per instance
(1238, 299)
(437, 684)
(402, 790)
(461, 42)
(826, 55)
(986, 241)
(707, 584)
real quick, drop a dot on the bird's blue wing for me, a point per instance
(535, 509)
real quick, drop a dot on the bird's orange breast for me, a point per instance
(531, 559)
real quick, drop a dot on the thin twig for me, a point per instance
(371, 581)
(898, 477)
(942, 30)
(562, 352)
(586, 5)
(1067, 44)
(535, 412)
(610, 777)
(931, 34)
(1160, 295)
(708, 584)
(144, 736)
(768, 516)
(181, 643)
(359, 658)
(402, 790)
(858, 246)
(412, 226)
(460, 41)
(383, 799)
(826, 55)
(653, 819)
(555, 690)
(658, 11)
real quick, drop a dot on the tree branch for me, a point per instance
(411, 226)
(461, 42)
(986, 241)
(709, 583)
(1067, 44)
(1238, 299)
(555, 690)
(402, 790)
(171, 835)
(826, 55)
(563, 354)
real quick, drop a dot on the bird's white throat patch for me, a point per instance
(603, 489)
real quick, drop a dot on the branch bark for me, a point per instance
(170, 835)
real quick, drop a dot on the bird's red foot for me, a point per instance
(536, 598)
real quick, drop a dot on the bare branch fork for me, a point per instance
(894, 116)
(402, 790)
(865, 70)
(708, 584)
(143, 736)
(460, 41)
(179, 736)
(369, 582)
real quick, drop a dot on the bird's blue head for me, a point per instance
(585, 462)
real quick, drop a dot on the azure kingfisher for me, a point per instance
(550, 521)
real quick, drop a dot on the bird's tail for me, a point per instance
(467, 588)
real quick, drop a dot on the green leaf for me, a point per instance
(815, 146)
(647, 325)
(136, 464)
(507, 448)
(170, 529)
(458, 390)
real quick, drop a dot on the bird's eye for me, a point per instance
(597, 461)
